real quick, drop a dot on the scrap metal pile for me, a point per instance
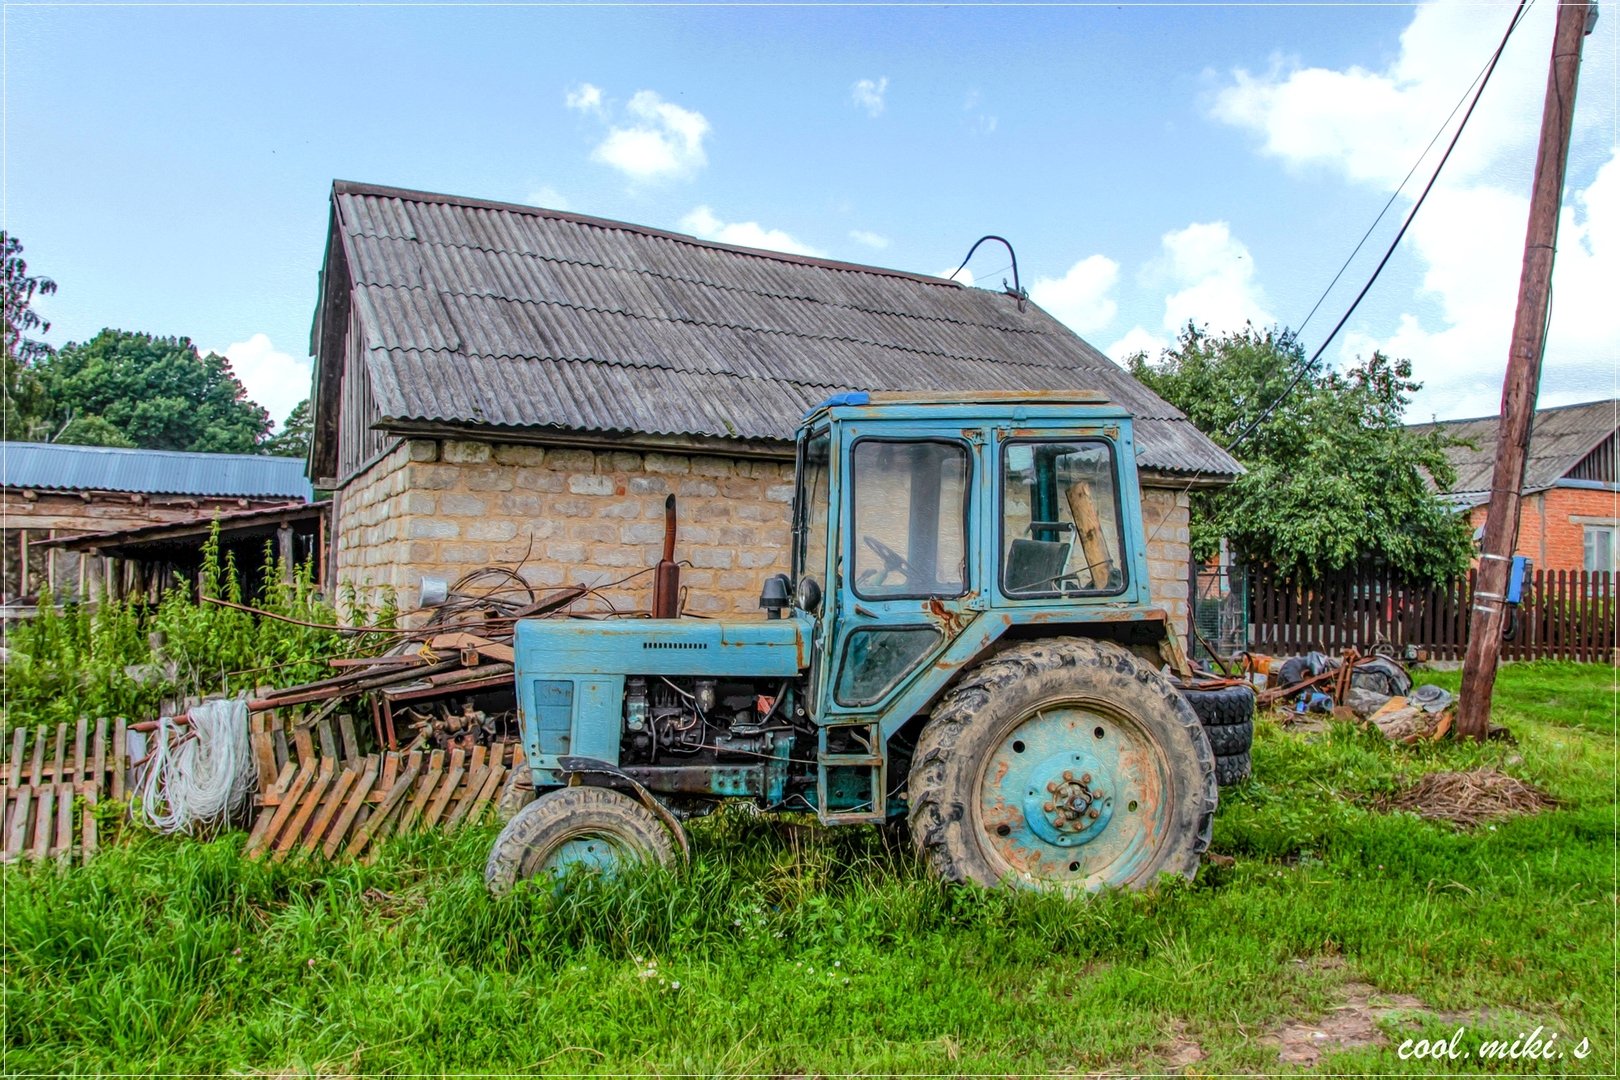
(1352, 686)
(440, 703)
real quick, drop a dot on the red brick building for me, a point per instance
(1570, 516)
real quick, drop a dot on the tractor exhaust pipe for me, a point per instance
(667, 578)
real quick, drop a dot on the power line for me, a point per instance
(1483, 81)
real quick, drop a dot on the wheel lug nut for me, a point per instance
(1095, 812)
(1068, 775)
(1052, 786)
(1085, 778)
(1048, 808)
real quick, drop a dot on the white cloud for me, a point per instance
(963, 276)
(703, 223)
(870, 239)
(548, 197)
(585, 98)
(1369, 126)
(1137, 339)
(1211, 278)
(1080, 298)
(868, 94)
(1472, 244)
(274, 379)
(657, 141)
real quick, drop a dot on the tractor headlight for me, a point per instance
(807, 597)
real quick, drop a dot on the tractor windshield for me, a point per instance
(910, 518)
(1060, 531)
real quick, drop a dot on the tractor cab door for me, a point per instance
(903, 579)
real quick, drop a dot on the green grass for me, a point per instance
(787, 949)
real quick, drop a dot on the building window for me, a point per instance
(1600, 549)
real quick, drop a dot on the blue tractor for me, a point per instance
(966, 644)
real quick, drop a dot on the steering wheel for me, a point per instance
(893, 561)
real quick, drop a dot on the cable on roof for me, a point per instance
(1017, 291)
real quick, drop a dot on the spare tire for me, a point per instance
(1233, 769)
(1227, 713)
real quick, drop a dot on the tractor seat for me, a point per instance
(1035, 565)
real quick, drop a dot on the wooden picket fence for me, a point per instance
(340, 803)
(52, 786)
(1563, 615)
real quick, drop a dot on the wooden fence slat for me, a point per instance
(285, 810)
(278, 740)
(477, 770)
(17, 835)
(304, 744)
(351, 745)
(492, 784)
(36, 772)
(62, 848)
(81, 736)
(376, 825)
(425, 791)
(92, 795)
(329, 746)
(59, 759)
(120, 750)
(308, 803)
(264, 751)
(98, 754)
(357, 799)
(458, 768)
(329, 808)
(19, 742)
(44, 822)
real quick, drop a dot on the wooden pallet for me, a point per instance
(340, 803)
(49, 788)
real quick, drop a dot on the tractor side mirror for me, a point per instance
(774, 596)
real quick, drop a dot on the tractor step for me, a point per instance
(851, 774)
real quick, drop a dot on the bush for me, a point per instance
(101, 660)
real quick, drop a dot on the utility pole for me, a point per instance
(1523, 372)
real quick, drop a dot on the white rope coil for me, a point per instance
(198, 775)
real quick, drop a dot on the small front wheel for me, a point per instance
(591, 827)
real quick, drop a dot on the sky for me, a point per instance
(170, 166)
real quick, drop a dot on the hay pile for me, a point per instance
(1469, 798)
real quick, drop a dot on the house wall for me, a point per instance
(592, 517)
(1552, 524)
(32, 515)
(568, 516)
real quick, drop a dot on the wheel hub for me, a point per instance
(1073, 805)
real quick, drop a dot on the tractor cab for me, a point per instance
(952, 555)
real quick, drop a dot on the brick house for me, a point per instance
(1570, 515)
(506, 384)
(50, 492)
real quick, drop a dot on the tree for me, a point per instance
(293, 438)
(1334, 481)
(23, 397)
(157, 393)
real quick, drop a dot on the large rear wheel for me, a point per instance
(1065, 764)
(591, 828)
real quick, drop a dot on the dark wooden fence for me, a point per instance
(1564, 615)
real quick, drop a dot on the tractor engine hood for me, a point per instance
(765, 648)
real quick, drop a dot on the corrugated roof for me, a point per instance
(489, 313)
(1559, 438)
(57, 467)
